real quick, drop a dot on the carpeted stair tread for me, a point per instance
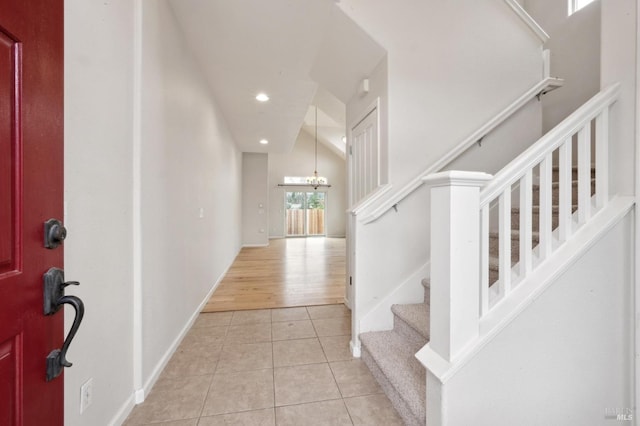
(515, 235)
(494, 263)
(398, 363)
(555, 184)
(416, 315)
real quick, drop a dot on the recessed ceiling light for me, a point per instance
(264, 141)
(262, 97)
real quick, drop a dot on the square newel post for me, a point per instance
(455, 259)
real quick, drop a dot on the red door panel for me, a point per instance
(31, 191)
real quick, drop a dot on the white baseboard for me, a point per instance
(255, 245)
(139, 395)
(123, 412)
(410, 291)
(355, 348)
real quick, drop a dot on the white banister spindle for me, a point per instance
(584, 173)
(602, 158)
(565, 173)
(484, 260)
(546, 194)
(504, 229)
(526, 222)
(455, 260)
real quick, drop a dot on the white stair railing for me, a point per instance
(452, 325)
(552, 151)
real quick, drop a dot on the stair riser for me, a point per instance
(535, 219)
(396, 400)
(494, 246)
(555, 194)
(555, 174)
(415, 339)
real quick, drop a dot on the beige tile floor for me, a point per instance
(289, 366)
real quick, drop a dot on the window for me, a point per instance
(576, 5)
(302, 180)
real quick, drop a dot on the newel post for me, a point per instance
(455, 259)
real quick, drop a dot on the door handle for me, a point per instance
(54, 299)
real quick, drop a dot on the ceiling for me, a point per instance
(301, 53)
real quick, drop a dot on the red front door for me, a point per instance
(31, 184)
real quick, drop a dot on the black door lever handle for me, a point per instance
(54, 299)
(78, 305)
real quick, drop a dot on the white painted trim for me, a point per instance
(123, 412)
(141, 394)
(492, 324)
(137, 283)
(374, 106)
(549, 142)
(255, 245)
(383, 207)
(527, 19)
(411, 290)
(457, 178)
(373, 198)
(635, 385)
(355, 349)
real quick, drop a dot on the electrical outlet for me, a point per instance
(86, 395)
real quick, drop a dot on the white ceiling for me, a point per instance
(300, 53)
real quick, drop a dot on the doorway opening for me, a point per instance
(305, 213)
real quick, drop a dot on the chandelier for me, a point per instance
(315, 181)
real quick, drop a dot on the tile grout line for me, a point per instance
(273, 371)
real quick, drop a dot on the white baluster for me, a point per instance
(484, 260)
(602, 158)
(526, 223)
(504, 229)
(565, 203)
(546, 192)
(584, 174)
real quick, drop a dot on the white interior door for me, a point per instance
(365, 157)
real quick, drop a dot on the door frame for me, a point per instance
(284, 216)
(351, 221)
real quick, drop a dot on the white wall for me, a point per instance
(449, 69)
(98, 197)
(360, 105)
(255, 199)
(575, 55)
(189, 164)
(300, 162)
(618, 55)
(573, 347)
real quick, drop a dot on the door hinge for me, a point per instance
(350, 280)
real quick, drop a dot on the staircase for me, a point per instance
(515, 221)
(390, 355)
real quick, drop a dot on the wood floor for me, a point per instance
(290, 272)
